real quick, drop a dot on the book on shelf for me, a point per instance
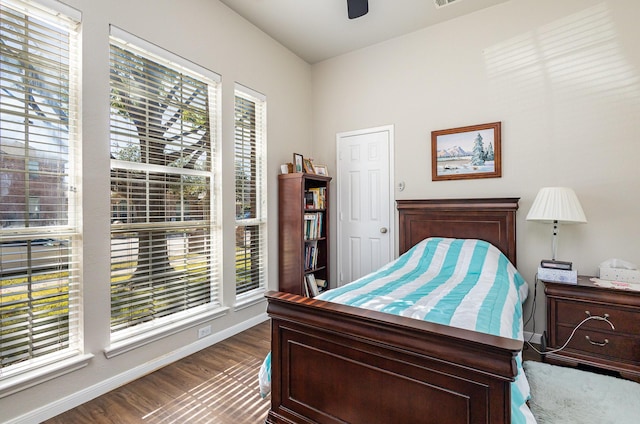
(315, 197)
(312, 286)
(309, 224)
(308, 200)
(311, 255)
(313, 222)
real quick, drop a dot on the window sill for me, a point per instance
(154, 333)
(24, 380)
(249, 299)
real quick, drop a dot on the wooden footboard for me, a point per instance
(334, 363)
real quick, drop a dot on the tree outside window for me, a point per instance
(163, 234)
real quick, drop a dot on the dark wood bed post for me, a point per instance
(334, 363)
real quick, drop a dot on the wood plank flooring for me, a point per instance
(216, 385)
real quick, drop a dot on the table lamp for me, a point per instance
(557, 205)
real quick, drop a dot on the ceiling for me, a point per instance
(317, 30)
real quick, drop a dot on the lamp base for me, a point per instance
(553, 264)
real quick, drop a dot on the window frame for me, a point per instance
(260, 220)
(125, 339)
(65, 223)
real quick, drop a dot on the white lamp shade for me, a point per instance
(557, 204)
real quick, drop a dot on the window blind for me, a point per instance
(39, 268)
(250, 184)
(165, 255)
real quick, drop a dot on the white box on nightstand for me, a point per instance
(558, 275)
(620, 274)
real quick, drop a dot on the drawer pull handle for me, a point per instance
(606, 341)
(605, 318)
(589, 314)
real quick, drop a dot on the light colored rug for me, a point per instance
(561, 395)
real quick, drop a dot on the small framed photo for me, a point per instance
(308, 166)
(321, 169)
(284, 169)
(297, 162)
(466, 152)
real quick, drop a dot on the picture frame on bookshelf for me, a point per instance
(297, 162)
(321, 170)
(313, 287)
(308, 166)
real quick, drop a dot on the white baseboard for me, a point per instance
(55, 408)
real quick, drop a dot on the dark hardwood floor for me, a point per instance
(216, 385)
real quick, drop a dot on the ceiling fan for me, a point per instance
(357, 8)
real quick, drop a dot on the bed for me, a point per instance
(335, 362)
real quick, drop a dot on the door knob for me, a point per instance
(383, 230)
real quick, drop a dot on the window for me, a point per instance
(39, 226)
(251, 203)
(165, 237)
(34, 208)
(33, 167)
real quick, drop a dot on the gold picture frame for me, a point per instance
(321, 170)
(466, 152)
(308, 166)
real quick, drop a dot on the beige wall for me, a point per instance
(209, 34)
(564, 79)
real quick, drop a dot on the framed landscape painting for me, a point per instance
(466, 152)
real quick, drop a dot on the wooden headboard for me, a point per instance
(492, 220)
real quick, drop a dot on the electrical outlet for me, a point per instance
(204, 331)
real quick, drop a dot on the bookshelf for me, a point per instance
(303, 234)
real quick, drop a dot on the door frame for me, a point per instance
(392, 210)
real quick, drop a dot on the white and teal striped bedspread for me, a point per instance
(463, 283)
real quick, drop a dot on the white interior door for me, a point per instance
(365, 202)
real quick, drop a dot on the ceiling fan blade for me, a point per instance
(357, 8)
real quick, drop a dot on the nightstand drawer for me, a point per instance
(572, 313)
(609, 345)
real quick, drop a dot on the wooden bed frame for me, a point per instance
(334, 363)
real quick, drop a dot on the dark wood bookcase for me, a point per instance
(303, 233)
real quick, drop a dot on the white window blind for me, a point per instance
(39, 275)
(251, 207)
(165, 255)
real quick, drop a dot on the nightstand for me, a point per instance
(595, 343)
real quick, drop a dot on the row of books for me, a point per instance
(311, 255)
(313, 286)
(313, 223)
(315, 198)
